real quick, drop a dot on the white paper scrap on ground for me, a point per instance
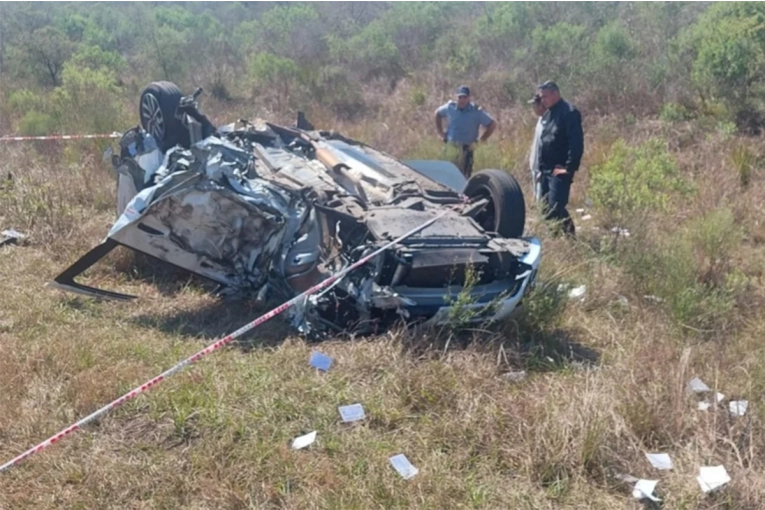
(320, 361)
(712, 477)
(353, 412)
(644, 489)
(303, 441)
(577, 292)
(697, 385)
(401, 464)
(13, 234)
(659, 460)
(738, 407)
(580, 211)
(704, 406)
(586, 217)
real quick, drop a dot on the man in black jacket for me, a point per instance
(559, 153)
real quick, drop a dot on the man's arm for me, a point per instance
(440, 114)
(489, 130)
(489, 123)
(575, 138)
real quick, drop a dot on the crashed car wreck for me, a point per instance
(264, 209)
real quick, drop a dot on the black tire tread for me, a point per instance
(507, 196)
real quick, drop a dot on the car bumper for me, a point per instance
(484, 303)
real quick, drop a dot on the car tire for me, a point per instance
(506, 212)
(159, 101)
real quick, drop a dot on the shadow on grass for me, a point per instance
(544, 351)
(218, 319)
(169, 280)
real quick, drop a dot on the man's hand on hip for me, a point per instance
(559, 170)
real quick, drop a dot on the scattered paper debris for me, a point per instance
(580, 211)
(738, 407)
(659, 460)
(405, 468)
(644, 489)
(577, 292)
(704, 406)
(621, 231)
(11, 237)
(320, 361)
(586, 217)
(353, 412)
(697, 386)
(654, 299)
(712, 477)
(303, 441)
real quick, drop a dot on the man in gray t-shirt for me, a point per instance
(464, 121)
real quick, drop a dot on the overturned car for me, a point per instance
(265, 209)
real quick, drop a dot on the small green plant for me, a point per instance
(674, 112)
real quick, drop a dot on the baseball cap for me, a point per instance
(548, 85)
(464, 90)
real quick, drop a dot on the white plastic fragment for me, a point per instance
(580, 211)
(712, 477)
(738, 407)
(320, 361)
(303, 441)
(405, 468)
(704, 406)
(697, 385)
(644, 489)
(621, 231)
(659, 460)
(353, 412)
(586, 217)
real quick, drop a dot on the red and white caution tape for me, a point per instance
(57, 137)
(212, 347)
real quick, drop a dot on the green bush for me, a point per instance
(634, 181)
(674, 112)
(36, 124)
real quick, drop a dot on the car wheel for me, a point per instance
(159, 101)
(506, 211)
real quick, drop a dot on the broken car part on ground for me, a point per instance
(262, 208)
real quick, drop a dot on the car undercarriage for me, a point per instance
(270, 210)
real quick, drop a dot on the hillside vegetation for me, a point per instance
(673, 102)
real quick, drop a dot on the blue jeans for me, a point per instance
(555, 193)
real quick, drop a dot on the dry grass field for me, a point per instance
(605, 381)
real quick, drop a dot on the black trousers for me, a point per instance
(555, 194)
(464, 160)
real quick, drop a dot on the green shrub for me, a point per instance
(674, 112)
(36, 124)
(634, 181)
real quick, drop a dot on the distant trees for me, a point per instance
(706, 57)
